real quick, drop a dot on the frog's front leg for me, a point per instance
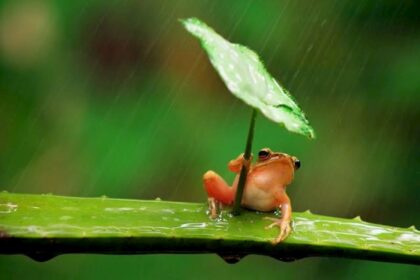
(284, 222)
(235, 165)
(217, 191)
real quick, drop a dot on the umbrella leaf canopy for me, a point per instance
(246, 77)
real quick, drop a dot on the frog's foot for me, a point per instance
(213, 207)
(284, 226)
(247, 162)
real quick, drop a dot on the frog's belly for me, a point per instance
(258, 199)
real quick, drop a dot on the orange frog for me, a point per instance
(265, 188)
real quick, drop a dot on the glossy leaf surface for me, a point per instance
(44, 226)
(246, 77)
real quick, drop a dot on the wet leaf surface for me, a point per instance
(51, 225)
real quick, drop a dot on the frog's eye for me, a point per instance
(263, 154)
(297, 164)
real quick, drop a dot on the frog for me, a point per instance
(264, 191)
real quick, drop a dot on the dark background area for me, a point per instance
(115, 98)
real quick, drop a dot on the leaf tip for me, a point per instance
(186, 21)
(198, 29)
(192, 23)
(310, 133)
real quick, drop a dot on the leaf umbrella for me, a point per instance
(246, 77)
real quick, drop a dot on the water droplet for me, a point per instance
(231, 258)
(167, 211)
(286, 258)
(41, 257)
(193, 225)
(8, 208)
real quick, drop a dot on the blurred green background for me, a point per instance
(115, 98)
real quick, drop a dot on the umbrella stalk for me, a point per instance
(244, 170)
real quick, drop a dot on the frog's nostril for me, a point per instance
(297, 164)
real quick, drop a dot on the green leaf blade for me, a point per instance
(246, 77)
(44, 226)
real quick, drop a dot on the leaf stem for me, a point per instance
(244, 170)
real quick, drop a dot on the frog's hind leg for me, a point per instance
(217, 188)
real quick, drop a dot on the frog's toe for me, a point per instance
(284, 227)
(273, 224)
(213, 211)
(284, 232)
